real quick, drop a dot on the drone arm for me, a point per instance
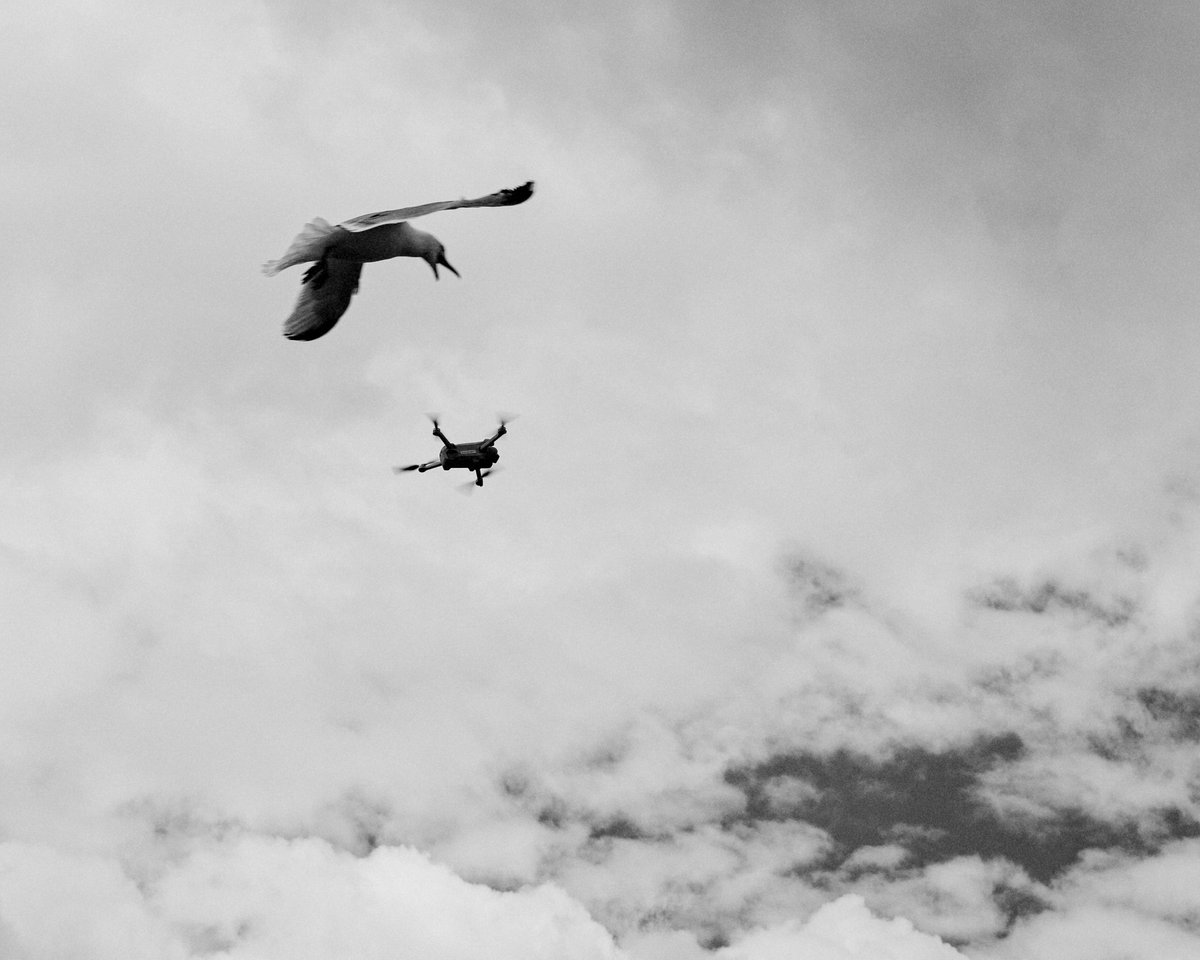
(419, 467)
(501, 431)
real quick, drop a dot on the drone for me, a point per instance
(480, 456)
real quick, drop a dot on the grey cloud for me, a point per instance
(927, 803)
(1008, 596)
(971, 839)
(820, 586)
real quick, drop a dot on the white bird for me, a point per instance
(341, 251)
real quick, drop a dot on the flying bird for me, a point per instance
(340, 252)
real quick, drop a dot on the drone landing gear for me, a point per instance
(478, 479)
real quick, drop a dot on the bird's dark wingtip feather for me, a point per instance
(308, 333)
(518, 194)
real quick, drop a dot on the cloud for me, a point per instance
(263, 897)
(963, 900)
(246, 896)
(1164, 886)
(1060, 724)
(303, 898)
(1098, 932)
(845, 547)
(843, 930)
(935, 813)
(56, 904)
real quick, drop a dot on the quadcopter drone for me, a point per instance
(480, 456)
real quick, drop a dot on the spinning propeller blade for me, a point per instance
(411, 466)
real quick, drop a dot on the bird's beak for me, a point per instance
(445, 263)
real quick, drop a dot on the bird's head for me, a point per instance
(434, 253)
(441, 259)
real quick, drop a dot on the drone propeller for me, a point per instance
(411, 466)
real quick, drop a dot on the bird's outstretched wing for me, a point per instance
(324, 296)
(501, 198)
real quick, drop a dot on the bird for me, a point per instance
(340, 251)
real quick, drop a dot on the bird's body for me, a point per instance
(339, 253)
(381, 243)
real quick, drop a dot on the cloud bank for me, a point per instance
(838, 598)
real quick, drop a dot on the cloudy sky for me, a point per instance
(840, 597)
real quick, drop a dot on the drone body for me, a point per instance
(480, 456)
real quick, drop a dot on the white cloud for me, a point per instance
(956, 899)
(1098, 933)
(709, 879)
(263, 897)
(1166, 886)
(54, 905)
(842, 930)
(269, 898)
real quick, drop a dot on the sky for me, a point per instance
(838, 598)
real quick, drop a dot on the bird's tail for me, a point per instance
(309, 245)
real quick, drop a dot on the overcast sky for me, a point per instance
(840, 596)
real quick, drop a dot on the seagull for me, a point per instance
(340, 252)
